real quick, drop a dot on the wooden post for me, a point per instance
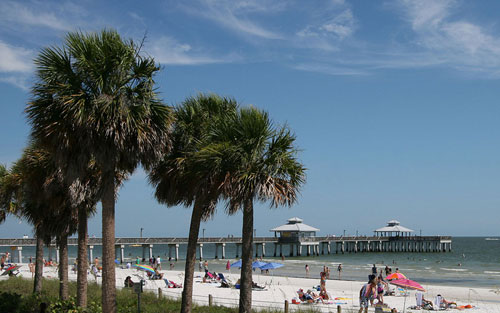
(210, 300)
(339, 309)
(160, 293)
(286, 306)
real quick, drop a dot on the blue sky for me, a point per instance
(394, 103)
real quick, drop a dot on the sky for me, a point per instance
(394, 103)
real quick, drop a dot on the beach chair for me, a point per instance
(171, 284)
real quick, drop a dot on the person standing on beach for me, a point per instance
(366, 295)
(339, 269)
(200, 265)
(374, 270)
(228, 265)
(158, 263)
(205, 266)
(307, 270)
(32, 269)
(96, 263)
(327, 272)
(322, 281)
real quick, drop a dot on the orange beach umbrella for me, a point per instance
(395, 276)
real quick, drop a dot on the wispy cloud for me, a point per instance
(330, 69)
(233, 15)
(17, 13)
(15, 59)
(461, 44)
(168, 50)
(328, 28)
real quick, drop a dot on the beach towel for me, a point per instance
(419, 296)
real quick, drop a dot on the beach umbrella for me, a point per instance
(236, 264)
(10, 269)
(145, 268)
(395, 276)
(258, 264)
(407, 284)
(271, 266)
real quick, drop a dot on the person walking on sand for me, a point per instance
(307, 270)
(228, 265)
(339, 269)
(158, 263)
(366, 295)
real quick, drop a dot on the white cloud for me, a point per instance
(461, 44)
(15, 59)
(167, 50)
(337, 24)
(20, 81)
(233, 15)
(17, 13)
(330, 69)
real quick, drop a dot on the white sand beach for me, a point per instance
(278, 289)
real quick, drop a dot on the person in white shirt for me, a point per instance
(158, 263)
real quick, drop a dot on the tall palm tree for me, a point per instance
(176, 182)
(95, 100)
(41, 197)
(259, 161)
(5, 205)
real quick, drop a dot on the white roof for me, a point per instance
(295, 224)
(395, 228)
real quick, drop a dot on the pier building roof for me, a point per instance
(294, 224)
(394, 226)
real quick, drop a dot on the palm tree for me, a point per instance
(95, 100)
(37, 191)
(176, 181)
(259, 161)
(5, 205)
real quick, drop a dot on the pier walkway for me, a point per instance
(311, 245)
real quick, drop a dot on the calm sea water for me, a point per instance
(474, 262)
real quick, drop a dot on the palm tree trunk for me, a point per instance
(82, 263)
(194, 230)
(37, 287)
(63, 267)
(246, 258)
(108, 246)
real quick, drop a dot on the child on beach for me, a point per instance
(339, 269)
(366, 295)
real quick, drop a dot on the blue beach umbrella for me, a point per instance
(258, 264)
(236, 264)
(271, 266)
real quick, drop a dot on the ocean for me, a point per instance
(473, 262)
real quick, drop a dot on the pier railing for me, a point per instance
(234, 240)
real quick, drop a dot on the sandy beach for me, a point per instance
(278, 289)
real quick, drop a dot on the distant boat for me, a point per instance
(492, 239)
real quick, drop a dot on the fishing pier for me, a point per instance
(295, 239)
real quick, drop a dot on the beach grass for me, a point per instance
(16, 297)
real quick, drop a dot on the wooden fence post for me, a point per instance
(210, 300)
(160, 293)
(286, 306)
(339, 309)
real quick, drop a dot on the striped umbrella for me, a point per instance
(395, 276)
(146, 268)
